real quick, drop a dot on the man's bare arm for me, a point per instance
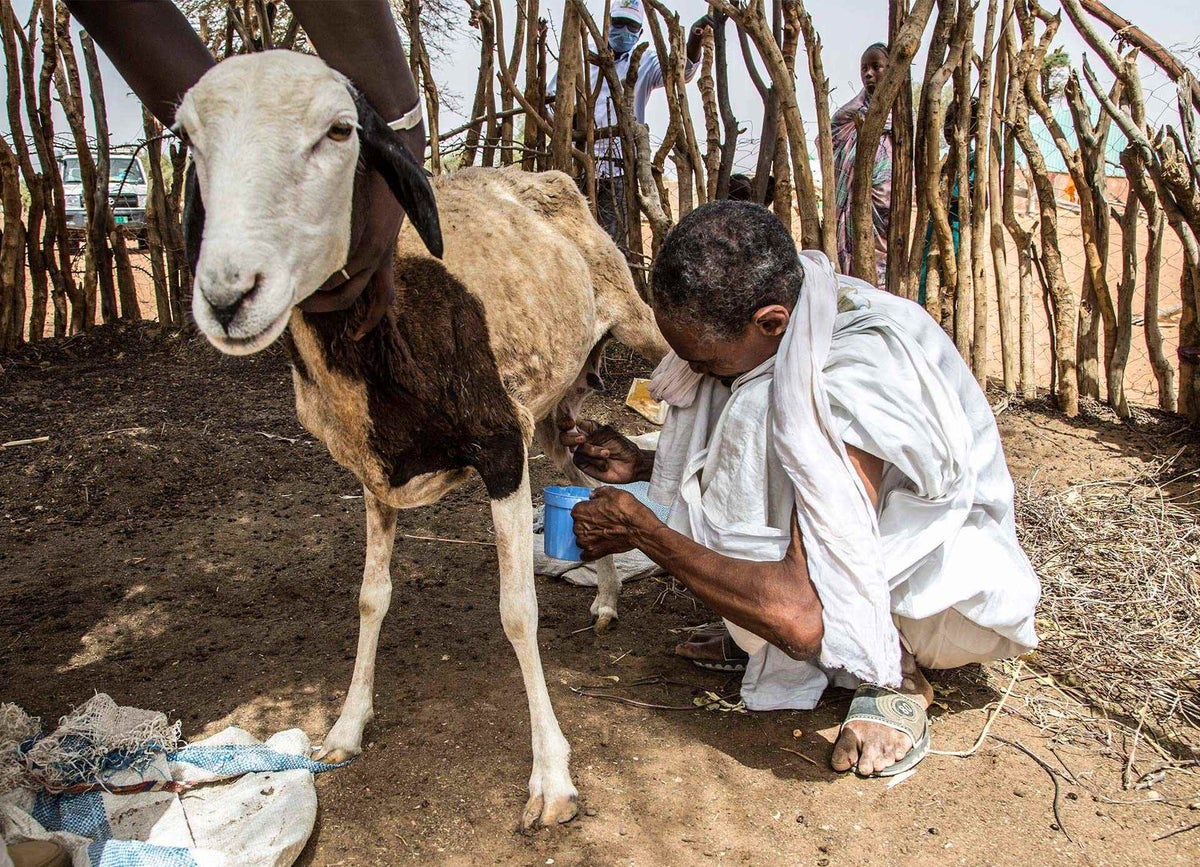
(775, 600)
(360, 40)
(151, 44)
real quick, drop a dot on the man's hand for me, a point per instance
(695, 40)
(372, 248)
(609, 523)
(601, 452)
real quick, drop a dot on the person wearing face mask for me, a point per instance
(624, 34)
(845, 125)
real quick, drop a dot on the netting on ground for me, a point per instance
(95, 739)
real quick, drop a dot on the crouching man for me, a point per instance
(837, 486)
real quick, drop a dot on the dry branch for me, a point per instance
(753, 20)
(1178, 198)
(963, 296)
(1126, 31)
(108, 232)
(1009, 339)
(900, 55)
(979, 200)
(1119, 618)
(1164, 372)
(816, 71)
(900, 225)
(1059, 298)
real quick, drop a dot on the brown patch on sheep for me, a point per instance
(476, 347)
(434, 396)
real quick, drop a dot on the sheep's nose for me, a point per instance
(228, 300)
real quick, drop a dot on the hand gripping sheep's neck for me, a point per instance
(473, 357)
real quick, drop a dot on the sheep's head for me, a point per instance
(276, 143)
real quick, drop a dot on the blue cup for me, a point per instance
(560, 526)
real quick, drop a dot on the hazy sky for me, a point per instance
(846, 27)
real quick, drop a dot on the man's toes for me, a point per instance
(872, 759)
(845, 751)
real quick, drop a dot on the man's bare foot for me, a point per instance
(871, 747)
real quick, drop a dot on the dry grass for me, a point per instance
(1120, 614)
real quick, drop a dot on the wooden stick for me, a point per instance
(451, 541)
(1191, 827)
(1049, 770)
(900, 55)
(816, 71)
(979, 208)
(1009, 340)
(12, 444)
(900, 226)
(1059, 297)
(811, 761)
(1127, 31)
(962, 754)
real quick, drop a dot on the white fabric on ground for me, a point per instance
(882, 376)
(227, 800)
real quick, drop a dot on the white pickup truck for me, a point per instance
(126, 195)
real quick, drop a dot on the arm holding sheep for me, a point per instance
(158, 54)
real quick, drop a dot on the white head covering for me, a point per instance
(629, 9)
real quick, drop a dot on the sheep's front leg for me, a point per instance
(608, 587)
(552, 795)
(344, 740)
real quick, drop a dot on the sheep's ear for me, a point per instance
(383, 151)
(193, 217)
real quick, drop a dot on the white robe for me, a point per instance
(882, 376)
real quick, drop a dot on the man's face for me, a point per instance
(726, 358)
(623, 34)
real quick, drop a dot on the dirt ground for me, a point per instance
(183, 544)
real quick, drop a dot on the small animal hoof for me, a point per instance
(335, 755)
(556, 811)
(605, 618)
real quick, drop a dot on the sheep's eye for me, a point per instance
(340, 131)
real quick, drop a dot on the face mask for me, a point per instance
(621, 41)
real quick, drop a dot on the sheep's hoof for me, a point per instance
(549, 812)
(334, 755)
(605, 618)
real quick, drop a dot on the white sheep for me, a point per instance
(479, 352)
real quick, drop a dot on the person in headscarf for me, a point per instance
(844, 126)
(624, 34)
(836, 483)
